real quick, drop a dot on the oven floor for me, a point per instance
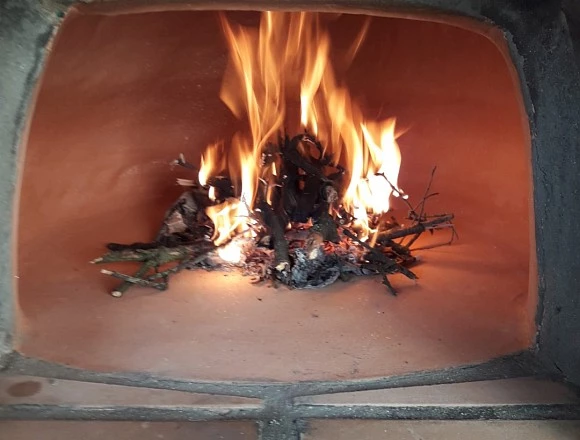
(432, 430)
(465, 308)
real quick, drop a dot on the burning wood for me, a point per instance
(330, 247)
(303, 211)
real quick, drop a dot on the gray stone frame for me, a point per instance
(541, 50)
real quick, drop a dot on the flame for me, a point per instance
(256, 65)
(371, 192)
(225, 220)
(231, 252)
(288, 58)
(211, 193)
(315, 63)
(357, 42)
(212, 162)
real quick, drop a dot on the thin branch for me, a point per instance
(426, 195)
(133, 280)
(401, 194)
(183, 163)
(181, 266)
(453, 237)
(389, 264)
(417, 228)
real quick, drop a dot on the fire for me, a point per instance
(212, 162)
(231, 252)
(225, 219)
(288, 59)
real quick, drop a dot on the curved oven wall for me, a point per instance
(123, 95)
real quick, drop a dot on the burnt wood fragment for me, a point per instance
(379, 262)
(276, 224)
(223, 186)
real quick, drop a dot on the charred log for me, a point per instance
(223, 187)
(276, 224)
(308, 200)
(291, 154)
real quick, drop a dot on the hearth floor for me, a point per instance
(218, 326)
(465, 308)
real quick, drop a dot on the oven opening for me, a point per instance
(266, 183)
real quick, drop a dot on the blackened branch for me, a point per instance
(417, 228)
(276, 224)
(380, 263)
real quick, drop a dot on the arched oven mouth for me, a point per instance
(284, 204)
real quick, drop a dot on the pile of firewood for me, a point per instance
(321, 246)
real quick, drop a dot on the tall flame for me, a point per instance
(288, 57)
(212, 162)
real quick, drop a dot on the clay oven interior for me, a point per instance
(122, 95)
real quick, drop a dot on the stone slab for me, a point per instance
(128, 431)
(508, 391)
(37, 390)
(432, 430)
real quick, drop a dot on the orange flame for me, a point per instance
(212, 162)
(225, 220)
(289, 55)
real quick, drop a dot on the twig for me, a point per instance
(156, 256)
(151, 258)
(183, 265)
(387, 283)
(389, 265)
(426, 195)
(417, 228)
(133, 280)
(123, 287)
(412, 240)
(276, 226)
(436, 245)
(398, 192)
(183, 163)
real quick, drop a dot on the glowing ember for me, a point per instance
(231, 252)
(256, 89)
